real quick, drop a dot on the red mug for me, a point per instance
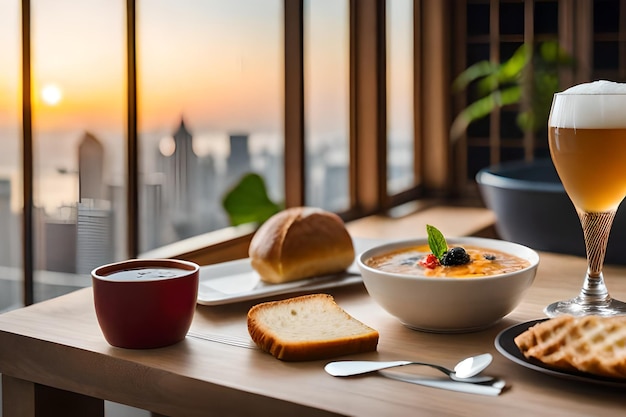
(145, 303)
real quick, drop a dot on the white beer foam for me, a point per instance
(595, 105)
(597, 87)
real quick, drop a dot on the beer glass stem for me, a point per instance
(594, 297)
(593, 292)
(596, 230)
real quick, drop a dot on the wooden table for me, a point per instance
(53, 357)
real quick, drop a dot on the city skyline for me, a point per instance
(182, 198)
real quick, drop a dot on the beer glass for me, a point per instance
(587, 138)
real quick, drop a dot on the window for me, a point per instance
(400, 124)
(326, 106)
(78, 101)
(132, 137)
(210, 110)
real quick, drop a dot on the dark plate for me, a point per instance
(505, 344)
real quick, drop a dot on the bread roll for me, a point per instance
(308, 327)
(300, 242)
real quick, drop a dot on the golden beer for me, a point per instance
(592, 165)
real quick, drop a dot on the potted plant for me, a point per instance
(529, 78)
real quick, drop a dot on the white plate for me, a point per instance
(235, 281)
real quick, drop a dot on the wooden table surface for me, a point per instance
(53, 349)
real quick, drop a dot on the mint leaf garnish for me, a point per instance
(436, 241)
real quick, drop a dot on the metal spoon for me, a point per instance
(464, 371)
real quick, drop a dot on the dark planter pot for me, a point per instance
(532, 208)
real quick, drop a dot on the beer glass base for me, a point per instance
(575, 307)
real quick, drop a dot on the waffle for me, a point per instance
(592, 344)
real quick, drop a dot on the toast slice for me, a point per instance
(308, 327)
(592, 344)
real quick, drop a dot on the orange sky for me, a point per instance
(218, 63)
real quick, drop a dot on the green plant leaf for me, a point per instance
(482, 107)
(513, 67)
(497, 85)
(552, 53)
(473, 73)
(436, 242)
(248, 202)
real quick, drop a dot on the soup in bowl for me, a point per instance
(457, 298)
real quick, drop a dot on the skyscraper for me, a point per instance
(94, 225)
(238, 162)
(90, 169)
(94, 240)
(182, 183)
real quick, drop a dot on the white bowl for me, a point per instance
(449, 304)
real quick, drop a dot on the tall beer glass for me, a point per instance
(587, 136)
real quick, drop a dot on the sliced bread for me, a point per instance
(308, 327)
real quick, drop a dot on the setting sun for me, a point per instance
(51, 94)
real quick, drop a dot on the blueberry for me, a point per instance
(410, 261)
(489, 256)
(455, 256)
